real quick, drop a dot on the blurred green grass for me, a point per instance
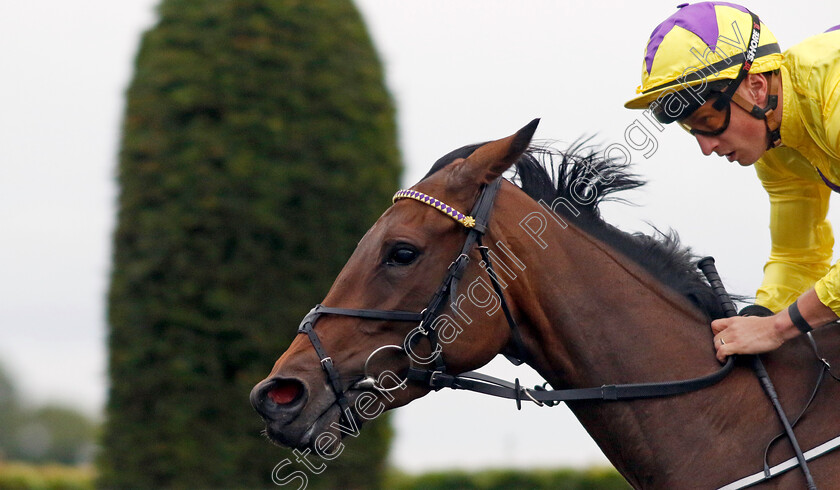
(20, 476)
(509, 479)
(24, 476)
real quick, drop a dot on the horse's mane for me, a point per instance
(585, 180)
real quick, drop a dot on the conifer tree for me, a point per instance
(258, 145)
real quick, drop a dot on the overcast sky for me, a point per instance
(460, 72)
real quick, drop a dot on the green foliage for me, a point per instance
(508, 479)
(9, 413)
(19, 476)
(258, 146)
(50, 433)
(53, 434)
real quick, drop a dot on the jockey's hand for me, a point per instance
(756, 335)
(747, 335)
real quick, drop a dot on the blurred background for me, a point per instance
(77, 145)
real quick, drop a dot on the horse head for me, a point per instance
(391, 310)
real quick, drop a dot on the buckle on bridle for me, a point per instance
(432, 377)
(458, 260)
(420, 328)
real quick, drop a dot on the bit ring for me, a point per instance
(370, 382)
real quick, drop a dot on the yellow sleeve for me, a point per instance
(830, 113)
(828, 288)
(801, 236)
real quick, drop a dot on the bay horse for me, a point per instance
(594, 305)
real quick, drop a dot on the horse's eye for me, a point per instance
(402, 254)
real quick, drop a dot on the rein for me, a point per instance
(437, 377)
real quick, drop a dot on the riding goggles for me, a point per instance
(708, 120)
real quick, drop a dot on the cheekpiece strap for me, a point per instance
(467, 221)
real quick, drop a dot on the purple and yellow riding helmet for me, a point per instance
(704, 47)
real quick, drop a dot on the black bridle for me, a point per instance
(436, 377)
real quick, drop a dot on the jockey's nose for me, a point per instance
(707, 143)
(279, 399)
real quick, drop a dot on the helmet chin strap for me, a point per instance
(774, 136)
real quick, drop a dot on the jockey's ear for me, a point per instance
(491, 160)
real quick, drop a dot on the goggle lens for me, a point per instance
(707, 120)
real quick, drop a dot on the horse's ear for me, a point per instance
(490, 160)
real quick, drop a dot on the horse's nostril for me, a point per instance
(278, 399)
(285, 391)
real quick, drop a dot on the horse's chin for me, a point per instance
(321, 417)
(303, 434)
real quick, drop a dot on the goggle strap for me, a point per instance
(749, 57)
(754, 110)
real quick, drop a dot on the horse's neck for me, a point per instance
(593, 317)
(588, 302)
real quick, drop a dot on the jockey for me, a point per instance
(717, 71)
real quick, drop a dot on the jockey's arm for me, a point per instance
(800, 257)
